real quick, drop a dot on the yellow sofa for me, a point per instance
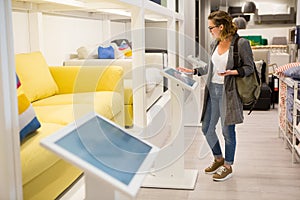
(154, 63)
(59, 95)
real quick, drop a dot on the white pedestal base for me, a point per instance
(187, 182)
(96, 188)
(168, 170)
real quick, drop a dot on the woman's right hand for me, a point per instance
(185, 70)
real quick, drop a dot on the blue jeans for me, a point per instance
(210, 120)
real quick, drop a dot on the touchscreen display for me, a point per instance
(107, 147)
(180, 76)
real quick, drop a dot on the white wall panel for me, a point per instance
(64, 35)
(21, 32)
(119, 31)
(156, 35)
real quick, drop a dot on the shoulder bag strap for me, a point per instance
(236, 59)
(236, 53)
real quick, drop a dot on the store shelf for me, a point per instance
(114, 9)
(154, 12)
(281, 130)
(297, 129)
(297, 103)
(297, 149)
(288, 81)
(135, 11)
(297, 132)
(288, 140)
(290, 104)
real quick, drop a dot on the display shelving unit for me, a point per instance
(289, 109)
(296, 124)
(135, 11)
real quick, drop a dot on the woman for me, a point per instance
(221, 99)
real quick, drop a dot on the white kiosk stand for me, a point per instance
(169, 165)
(114, 162)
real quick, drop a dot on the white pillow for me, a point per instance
(87, 52)
(118, 54)
(153, 78)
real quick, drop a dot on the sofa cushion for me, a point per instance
(118, 54)
(126, 50)
(28, 123)
(51, 183)
(85, 52)
(124, 46)
(100, 78)
(106, 52)
(65, 108)
(34, 158)
(121, 41)
(35, 76)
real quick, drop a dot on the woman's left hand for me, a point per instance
(185, 70)
(228, 72)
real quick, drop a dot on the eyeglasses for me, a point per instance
(211, 27)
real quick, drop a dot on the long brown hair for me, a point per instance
(221, 17)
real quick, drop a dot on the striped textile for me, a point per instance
(28, 123)
(282, 68)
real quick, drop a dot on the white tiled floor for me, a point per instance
(263, 166)
(262, 169)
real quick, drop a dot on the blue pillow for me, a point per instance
(293, 72)
(106, 52)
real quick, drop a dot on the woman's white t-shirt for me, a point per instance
(219, 65)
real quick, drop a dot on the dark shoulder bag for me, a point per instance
(249, 86)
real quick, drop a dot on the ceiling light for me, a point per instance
(249, 7)
(74, 3)
(115, 11)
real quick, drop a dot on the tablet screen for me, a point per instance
(106, 147)
(180, 76)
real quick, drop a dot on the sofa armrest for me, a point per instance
(75, 79)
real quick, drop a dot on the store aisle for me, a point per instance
(262, 169)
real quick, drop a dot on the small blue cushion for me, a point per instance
(106, 52)
(293, 72)
(31, 127)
